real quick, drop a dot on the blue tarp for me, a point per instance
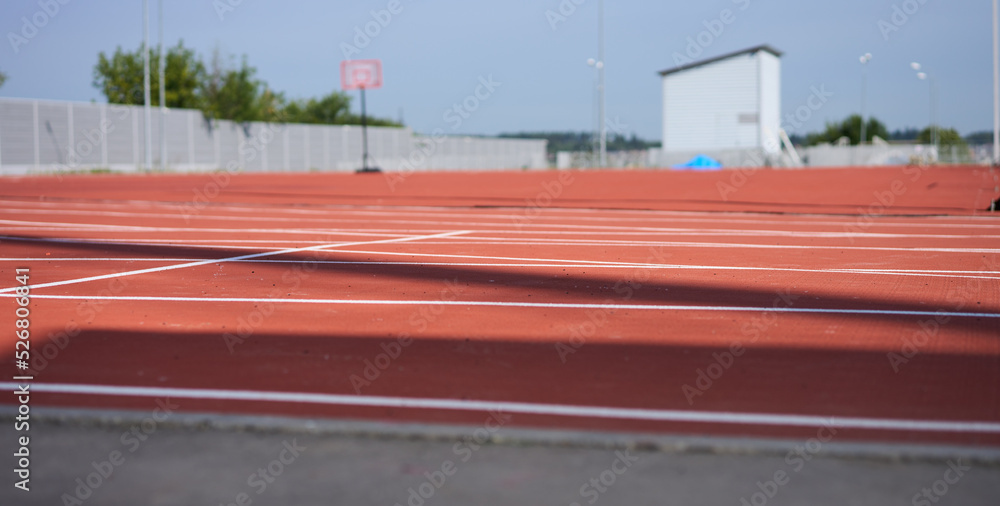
(700, 162)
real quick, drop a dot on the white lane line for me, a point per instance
(548, 305)
(231, 259)
(500, 213)
(541, 242)
(530, 408)
(505, 229)
(40, 225)
(568, 263)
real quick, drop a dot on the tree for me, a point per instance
(984, 137)
(3, 78)
(120, 77)
(235, 94)
(947, 137)
(850, 128)
(332, 109)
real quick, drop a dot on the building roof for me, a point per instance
(752, 50)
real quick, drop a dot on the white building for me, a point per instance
(731, 102)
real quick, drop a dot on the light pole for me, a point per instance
(600, 86)
(163, 95)
(865, 58)
(996, 87)
(596, 144)
(145, 84)
(923, 76)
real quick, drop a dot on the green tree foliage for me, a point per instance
(3, 78)
(223, 90)
(332, 109)
(850, 128)
(234, 93)
(947, 137)
(984, 137)
(120, 77)
(582, 141)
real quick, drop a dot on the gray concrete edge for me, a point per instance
(569, 438)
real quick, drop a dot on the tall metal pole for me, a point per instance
(996, 86)
(364, 132)
(147, 123)
(864, 90)
(934, 127)
(163, 99)
(600, 58)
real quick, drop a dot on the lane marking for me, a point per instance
(564, 263)
(568, 263)
(504, 228)
(556, 242)
(661, 415)
(230, 259)
(548, 305)
(492, 213)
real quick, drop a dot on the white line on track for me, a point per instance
(547, 305)
(230, 259)
(567, 263)
(500, 240)
(577, 230)
(508, 220)
(528, 408)
(508, 213)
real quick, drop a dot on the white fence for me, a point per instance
(43, 136)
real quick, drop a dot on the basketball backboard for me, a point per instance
(360, 74)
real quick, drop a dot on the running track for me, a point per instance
(587, 300)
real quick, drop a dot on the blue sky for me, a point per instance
(435, 52)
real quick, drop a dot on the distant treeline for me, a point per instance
(583, 141)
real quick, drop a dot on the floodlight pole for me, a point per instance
(996, 86)
(145, 84)
(163, 99)
(600, 86)
(864, 91)
(364, 132)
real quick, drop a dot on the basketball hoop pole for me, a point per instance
(361, 75)
(364, 133)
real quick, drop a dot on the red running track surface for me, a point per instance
(766, 303)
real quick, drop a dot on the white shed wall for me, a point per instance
(713, 106)
(770, 101)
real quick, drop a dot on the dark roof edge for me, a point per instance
(752, 50)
